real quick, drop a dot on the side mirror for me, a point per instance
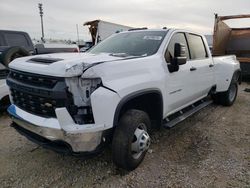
(179, 57)
(180, 53)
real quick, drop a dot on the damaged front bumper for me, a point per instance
(58, 132)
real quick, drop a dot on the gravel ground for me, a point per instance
(209, 149)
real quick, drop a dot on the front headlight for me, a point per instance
(81, 90)
(89, 85)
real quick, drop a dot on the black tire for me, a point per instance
(124, 136)
(228, 97)
(12, 53)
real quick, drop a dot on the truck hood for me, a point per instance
(61, 64)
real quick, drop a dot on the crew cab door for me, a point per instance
(194, 79)
(201, 66)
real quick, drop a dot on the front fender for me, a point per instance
(104, 102)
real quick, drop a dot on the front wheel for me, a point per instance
(228, 97)
(131, 139)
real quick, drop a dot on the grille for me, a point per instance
(39, 94)
(37, 105)
(34, 79)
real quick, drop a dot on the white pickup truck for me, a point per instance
(128, 84)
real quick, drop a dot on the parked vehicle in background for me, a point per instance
(86, 46)
(14, 44)
(118, 91)
(229, 41)
(48, 48)
(101, 30)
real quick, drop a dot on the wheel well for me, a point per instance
(150, 102)
(237, 76)
(212, 90)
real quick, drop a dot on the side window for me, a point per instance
(196, 46)
(15, 39)
(176, 38)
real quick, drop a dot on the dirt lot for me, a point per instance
(209, 149)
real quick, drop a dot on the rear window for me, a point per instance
(16, 39)
(197, 47)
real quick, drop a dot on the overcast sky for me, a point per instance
(61, 16)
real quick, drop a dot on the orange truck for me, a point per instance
(228, 41)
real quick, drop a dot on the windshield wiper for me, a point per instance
(119, 54)
(126, 55)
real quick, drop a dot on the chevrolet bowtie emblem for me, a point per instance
(48, 105)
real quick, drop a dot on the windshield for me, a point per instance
(142, 43)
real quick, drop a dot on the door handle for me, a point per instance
(211, 65)
(193, 69)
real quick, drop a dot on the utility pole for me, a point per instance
(77, 34)
(40, 6)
